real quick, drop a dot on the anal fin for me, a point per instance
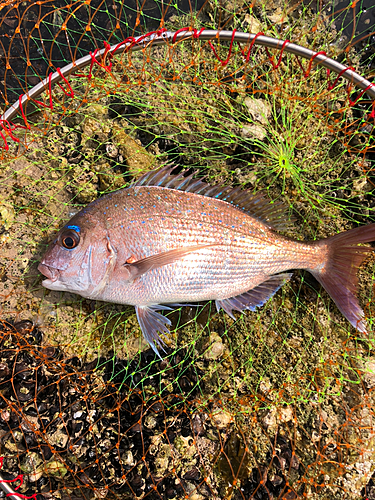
(255, 297)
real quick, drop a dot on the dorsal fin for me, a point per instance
(272, 214)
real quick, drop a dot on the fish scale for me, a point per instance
(174, 239)
(235, 256)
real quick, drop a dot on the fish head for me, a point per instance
(79, 259)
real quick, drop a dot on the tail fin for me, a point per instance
(339, 275)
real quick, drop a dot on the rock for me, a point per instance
(56, 468)
(254, 131)
(7, 214)
(258, 109)
(369, 373)
(254, 25)
(215, 349)
(222, 419)
(137, 158)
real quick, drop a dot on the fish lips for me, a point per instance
(49, 272)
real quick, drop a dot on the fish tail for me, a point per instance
(339, 274)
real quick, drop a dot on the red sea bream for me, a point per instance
(171, 239)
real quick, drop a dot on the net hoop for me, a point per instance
(162, 37)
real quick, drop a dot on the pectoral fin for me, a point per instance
(152, 323)
(139, 267)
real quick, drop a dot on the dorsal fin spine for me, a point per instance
(256, 205)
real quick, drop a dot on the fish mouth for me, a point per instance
(49, 272)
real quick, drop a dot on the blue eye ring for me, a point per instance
(77, 229)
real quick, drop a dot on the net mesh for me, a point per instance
(276, 404)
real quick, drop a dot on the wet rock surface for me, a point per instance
(117, 429)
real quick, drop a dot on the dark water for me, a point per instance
(110, 21)
(355, 21)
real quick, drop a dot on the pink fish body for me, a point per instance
(172, 239)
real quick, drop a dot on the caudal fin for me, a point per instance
(339, 275)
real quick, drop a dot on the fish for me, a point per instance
(171, 238)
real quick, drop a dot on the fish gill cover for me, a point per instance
(276, 404)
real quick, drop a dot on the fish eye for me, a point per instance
(70, 239)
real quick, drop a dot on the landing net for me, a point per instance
(276, 404)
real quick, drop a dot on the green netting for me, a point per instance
(276, 404)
